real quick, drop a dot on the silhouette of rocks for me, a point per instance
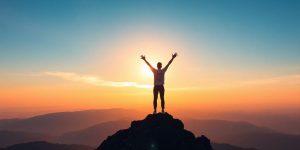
(156, 132)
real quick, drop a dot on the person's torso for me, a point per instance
(159, 77)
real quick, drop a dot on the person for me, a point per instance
(159, 79)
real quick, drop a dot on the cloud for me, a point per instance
(288, 79)
(279, 81)
(93, 80)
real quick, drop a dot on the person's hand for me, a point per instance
(143, 57)
(174, 55)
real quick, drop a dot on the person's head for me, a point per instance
(159, 65)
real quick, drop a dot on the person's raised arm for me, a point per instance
(169, 63)
(144, 58)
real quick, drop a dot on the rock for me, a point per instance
(156, 132)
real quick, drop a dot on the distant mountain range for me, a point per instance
(92, 126)
(14, 137)
(41, 145)
(244, 134)
(217, 146)
(61, 122)
(93, 135)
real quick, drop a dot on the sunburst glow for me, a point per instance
(146, 71)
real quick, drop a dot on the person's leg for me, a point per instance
(162, 97)
(155, 94)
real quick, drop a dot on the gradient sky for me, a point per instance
(85, 54)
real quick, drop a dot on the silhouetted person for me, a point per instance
(159, 79)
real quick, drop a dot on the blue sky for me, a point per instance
(228, 35)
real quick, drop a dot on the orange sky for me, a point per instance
(122, 80)
(58, 91)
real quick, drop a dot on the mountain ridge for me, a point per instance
(253, 131)
(60, 122)
(42, 145)
(156, 132)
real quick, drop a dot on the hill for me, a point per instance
(93, 135)
(241, 134)
(61, 122)
(244, 134)
(101, 123)
(6, 122)
(41, 145)
(15, 137)
(217, 146)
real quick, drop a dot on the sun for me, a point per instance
(146, 71)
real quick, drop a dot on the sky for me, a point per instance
(232, 55)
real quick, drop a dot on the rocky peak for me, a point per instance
(156, 132)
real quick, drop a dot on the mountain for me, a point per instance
(14, 137)
(217, 146)
(93, 135)
(6, 122)
(92, 126)
(244, 134)
(219, 129)
(58, 123)
(156, 132)
(241, 134)
(285, 121)
(40, 145)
